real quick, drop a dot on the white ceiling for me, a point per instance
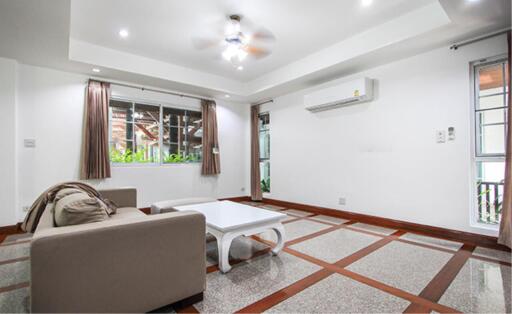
(163, 29)
(315, 40)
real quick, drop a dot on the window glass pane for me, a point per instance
(120, 110)
(121, 151)
(264, 131)
(121, 131)
(146, 143)
(494, 101)
(182, 135)
(265, 176)
(194, 135)
(264, 144)
(489, 185)
(506, 76)
(490, 79)
(174, 117)
(146, 114)
(491, 116)
(492, 139)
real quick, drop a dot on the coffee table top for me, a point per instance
(227, 215)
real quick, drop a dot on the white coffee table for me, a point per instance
(226, 220)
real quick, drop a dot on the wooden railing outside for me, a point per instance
(490, 198)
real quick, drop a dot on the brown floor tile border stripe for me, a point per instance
(438, 285)
(364, 231)
(14, 260)
(14, 287)
(188, 309)
(232, 262)
(368, 250)
(292, 220)
(312, 218)
(312, 235)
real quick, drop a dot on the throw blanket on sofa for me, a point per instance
(36, 210)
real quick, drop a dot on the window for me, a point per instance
(264, 128)
(490, 106)
(146, 133)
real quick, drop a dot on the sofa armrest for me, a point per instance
(127, 265)
(123, 197)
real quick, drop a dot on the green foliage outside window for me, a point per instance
(128, 156)
(265, 185)
(180, 158)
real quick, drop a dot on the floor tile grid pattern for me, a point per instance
(377, 234)
(393, 238)
(372, 283)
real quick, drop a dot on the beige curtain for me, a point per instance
(211, 154)
(95, 153)
(505, 236)
(256, 194)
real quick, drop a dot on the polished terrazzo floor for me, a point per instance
(329, 265)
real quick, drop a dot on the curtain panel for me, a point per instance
(211, 154)
(95, 151)
(505, 236)
(256, 194)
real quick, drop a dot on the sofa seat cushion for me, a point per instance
(74, 207)
(127, 212)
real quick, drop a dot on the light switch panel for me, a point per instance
(441, 136)
(29, 142)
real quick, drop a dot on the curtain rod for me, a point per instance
(474, 40)
(152, 90)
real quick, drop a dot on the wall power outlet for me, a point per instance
(342, 201)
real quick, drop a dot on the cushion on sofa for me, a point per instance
(77, 207)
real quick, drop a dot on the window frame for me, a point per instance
(475, 66)
(161, 107)
(476, 156)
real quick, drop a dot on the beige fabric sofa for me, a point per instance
(129, 263)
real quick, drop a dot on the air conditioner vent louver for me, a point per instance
(353, 92)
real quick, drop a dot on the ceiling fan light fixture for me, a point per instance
(242, 54)
(230, 52)
(233, 26)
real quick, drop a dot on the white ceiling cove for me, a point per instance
(163, 29)
(315, 40)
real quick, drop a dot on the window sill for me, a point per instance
(151, 165)
(487, 228)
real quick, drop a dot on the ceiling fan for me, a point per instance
(237, 44)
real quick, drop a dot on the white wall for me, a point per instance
(382, 156)
(7, 129)
(51, 106)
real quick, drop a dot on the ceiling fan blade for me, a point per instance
(256, 52)
(263, 35)
(205, 43)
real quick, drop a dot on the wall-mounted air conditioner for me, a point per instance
(348, 93)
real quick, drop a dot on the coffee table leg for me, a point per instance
(280, 239)
(224, 243)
